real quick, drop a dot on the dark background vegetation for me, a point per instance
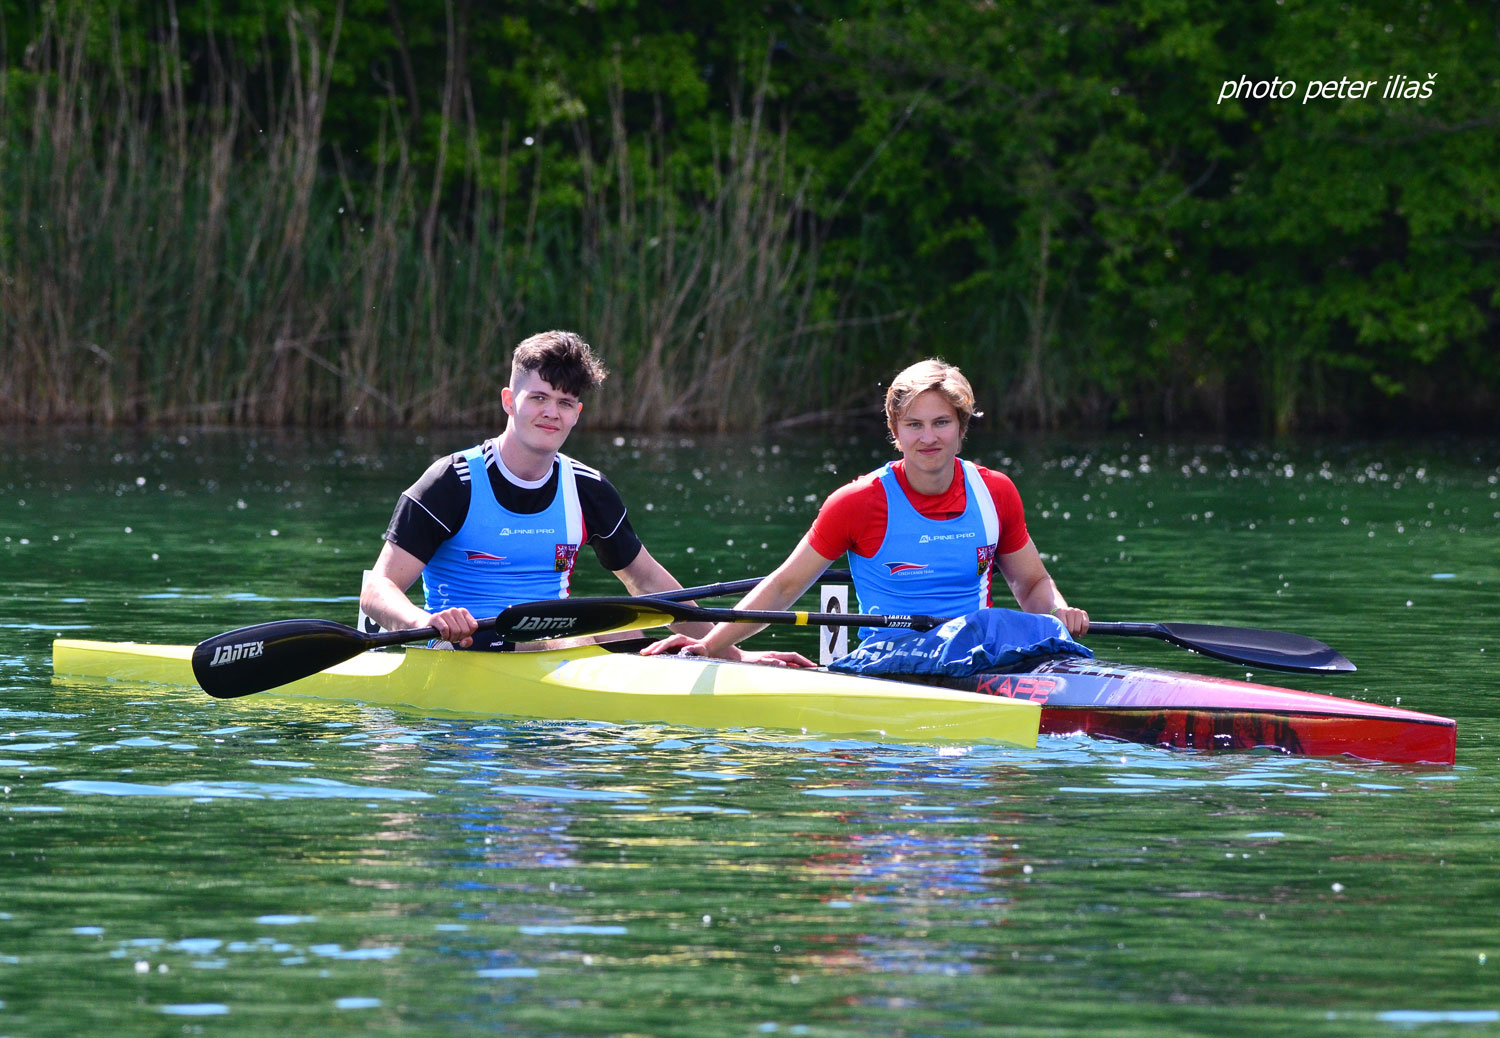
(347, 211)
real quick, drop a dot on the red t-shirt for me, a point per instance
(854, 516)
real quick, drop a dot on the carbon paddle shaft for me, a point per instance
(1243, 645)
(260, 657)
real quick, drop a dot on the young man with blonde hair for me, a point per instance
(503, 521)
(924, 534)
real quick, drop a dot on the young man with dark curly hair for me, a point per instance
(503, 521)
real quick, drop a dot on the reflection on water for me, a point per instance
(257, 865)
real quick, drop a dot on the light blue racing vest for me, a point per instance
(499, 557)
(937, 567)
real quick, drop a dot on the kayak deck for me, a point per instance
(592, 683)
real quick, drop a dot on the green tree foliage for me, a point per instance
(1164, 255)
(1095, 209)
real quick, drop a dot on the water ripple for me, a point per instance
(313, 788)
(559, 793)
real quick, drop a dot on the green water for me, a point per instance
(178, 865)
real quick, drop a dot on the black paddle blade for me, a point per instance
(253, 659)
(570, 618)
(1254, 647)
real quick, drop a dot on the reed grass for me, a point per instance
(166, 261)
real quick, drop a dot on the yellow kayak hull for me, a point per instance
(591, 684)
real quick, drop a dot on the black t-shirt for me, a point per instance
(433, 508)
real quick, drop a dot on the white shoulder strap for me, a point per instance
(981, 495)
(567, 484)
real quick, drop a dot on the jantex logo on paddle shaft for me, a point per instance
(544, 625)
(234, 653)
